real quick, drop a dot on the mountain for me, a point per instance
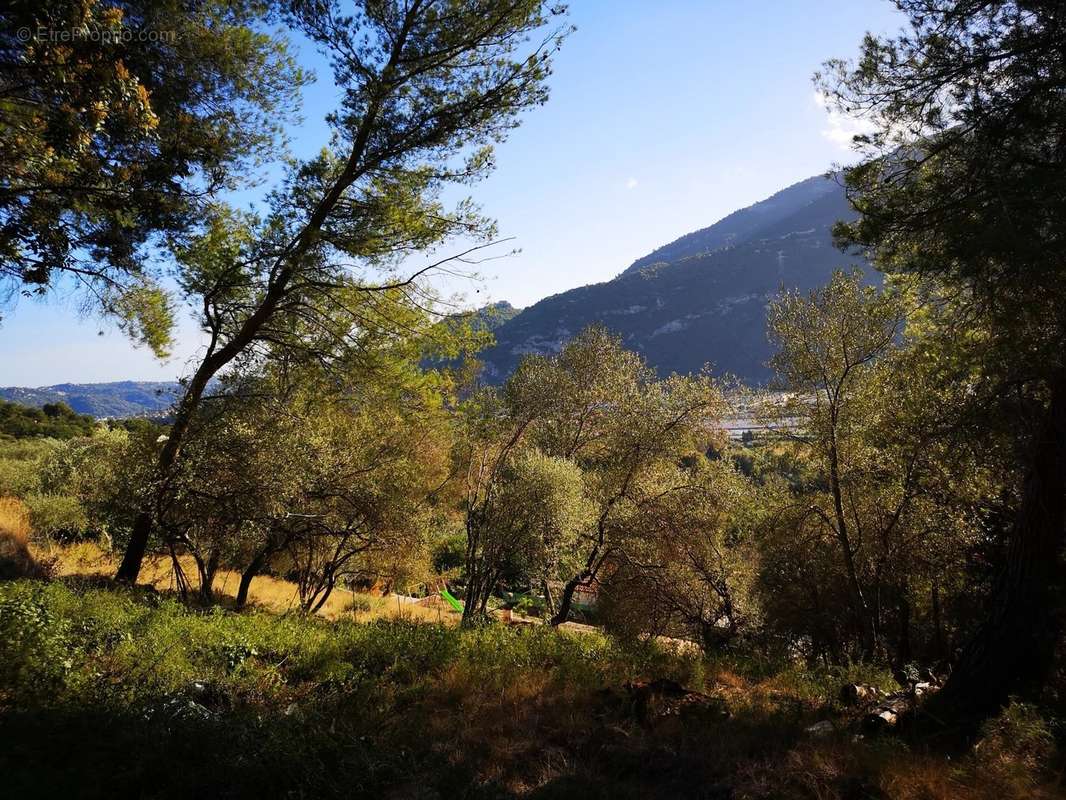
(114, 400)
(702, 298)
(492, 316)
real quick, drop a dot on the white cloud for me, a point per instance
(842, 128)
(631, 183)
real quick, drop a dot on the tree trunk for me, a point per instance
(1013, 650)
(208, 570)
(478, 591)
(939, 647)
(481, 572)
(132, 559)
(253, 569)
(566, 600)
(593, 563)
(181, 582)
(130, 567)
(549, 599)
(327, 590)
(245, 584)
(862, 610)
(903, 646)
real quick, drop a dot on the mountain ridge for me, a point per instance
(701, 298)
(113, 399)
(731, 228)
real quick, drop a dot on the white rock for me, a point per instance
(823, 728)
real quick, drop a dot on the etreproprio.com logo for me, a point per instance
(113, 35)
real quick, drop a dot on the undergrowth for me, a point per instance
(107, 691)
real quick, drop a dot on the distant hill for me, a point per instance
(494, 315)
(701, 298)
(112, 400)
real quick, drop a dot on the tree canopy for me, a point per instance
(121, 123)
(962, 188)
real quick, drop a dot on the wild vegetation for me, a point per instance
(861, 600)
(51, 421)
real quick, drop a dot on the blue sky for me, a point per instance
(665, 116)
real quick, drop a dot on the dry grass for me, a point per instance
(16, 559)
(560, 741)
(14, 519)
(266, 592)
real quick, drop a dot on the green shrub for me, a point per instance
(530, 606)
(449, 553)
(18, 478)
(57, 517)
(53, 420)
(20, 464)
(35, 647)
(296, 705)
(1014, 749)
(399, 651)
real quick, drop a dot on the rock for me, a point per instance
(859, 694)
(884, 717)
(819, 729)
(655, 700)
(887, 714)
(208, 695)
(890, 709)
(178, 708)
(929, 676)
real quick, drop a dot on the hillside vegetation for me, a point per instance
(51, 421)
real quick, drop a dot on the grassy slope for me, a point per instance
(266, 593)
(107, 692)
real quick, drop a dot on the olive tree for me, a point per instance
(690, 573)
(887, 521)
(525, 515)
(600, 407)
(829, 343)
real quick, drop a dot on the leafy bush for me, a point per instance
(530, 606)
(18, 478)
(449, 553)
(20, 461)
(1014, 749)
(35, 648)
(57, 517)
